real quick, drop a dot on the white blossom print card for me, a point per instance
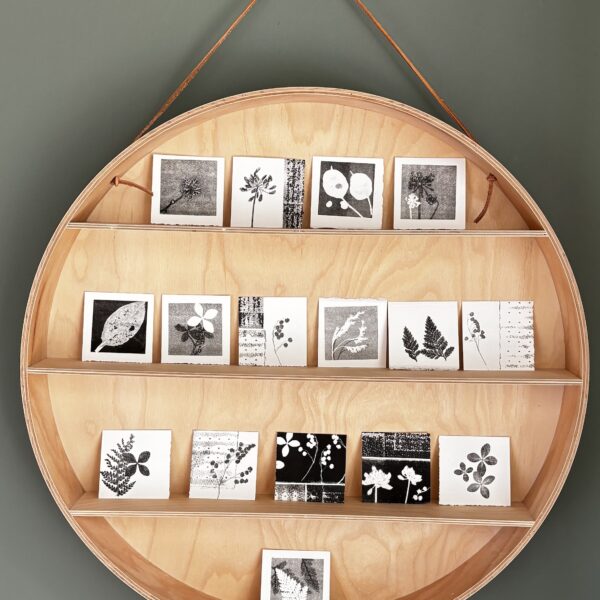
(310, 467)
(187, 190)
(272, 331)
(135, 464)
(267, 192)
(224, 465)
(429, 193)
(396, 467)
(352, 333)
(117, 327)
(195, 329)
(474, 470)
(423, 335)
(347, 193)
(295, 575)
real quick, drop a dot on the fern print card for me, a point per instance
(352, 333)
(224, 465)
(195, 329)
(295, 575)
(423, 335)
(267, 192)
(135, 464)
(117, 327)
(474, 470)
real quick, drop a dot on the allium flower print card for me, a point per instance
(347, 193)
(135, 464)
(187, 190)
(474, 470)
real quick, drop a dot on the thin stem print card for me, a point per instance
(429, 193)
(474, 470)
(310, 467)
(117, 327)
(396, 467)
(498, 336)
(272, 331)
(352, 333)
(135, 463)
(295, 575)
(347, 193)
(423, 335)
(267, 192)
(195, 329)
(224, 465)
(187, 190)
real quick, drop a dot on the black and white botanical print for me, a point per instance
(224, 465)
(121, 466)
(435, 345)
(396, 467)
(293, 193)
(310, 467)
(516, 336)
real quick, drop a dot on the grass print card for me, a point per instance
(117, 327)
(187, 190)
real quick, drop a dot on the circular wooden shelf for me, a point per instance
(184, 549)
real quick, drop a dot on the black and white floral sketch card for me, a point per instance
(474, 470)
(187, 190)
(135, 463)
(267, 192)
(429, 193)
(224, 465)
(352, 333)
(347, 193)
(196, 329)
(423, 336)
(295, 575)
(117, 327)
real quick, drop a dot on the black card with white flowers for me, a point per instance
(310, 467)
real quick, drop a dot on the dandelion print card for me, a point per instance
(310, 467)
(195, 330)
(135, 464)
(272, 331)
(224, 465)
(347, 193)
(474, 470)
(429, 193)
(352, 333)
(117, 327)
(187, 190)
(423, 335)
(396, 467)
(295, 575)
(267, 192)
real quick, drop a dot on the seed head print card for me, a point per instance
(135, 464)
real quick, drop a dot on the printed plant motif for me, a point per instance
(377, 479)
(337, 186)
(484, 459)
(122, 466)
(480, 481)
(198, 328)
(476, 334)
(463, 471)
(481, 484)
(257, 186)
(220, 471)
(122, 325)
(286, 583)
(421, 187)
(418, 496)
(350, 337)
(435, 344)
(189, 188)
(411, 477)
(277, 334)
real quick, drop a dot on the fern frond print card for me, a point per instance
(135, 464)
(295, 575)
(117, 327)
(224, 465)
(423, 335)
(267, 192)
(352, 333)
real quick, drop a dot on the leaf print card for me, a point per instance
(474, 470)
(267, 192)
(396, 467)
(352, 333)
(224, 465)
(310, 467)
(117, 327)
(195, 329)
(135, 464)
(423, 335)
(347, 193)
(295, 575)
(429, 193)
(187, 190)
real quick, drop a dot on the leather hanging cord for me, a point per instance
(117, 181)
(491, 180)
